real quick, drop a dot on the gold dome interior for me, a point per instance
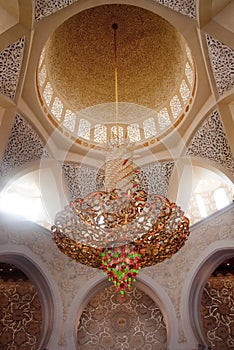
(151, 56)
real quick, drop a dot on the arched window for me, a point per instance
(201, 205)
(221, 198)
(84, 129)
(210, 191)
(29, 197)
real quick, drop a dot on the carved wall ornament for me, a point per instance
(155, 177)
(45, 8)
(110, 323)
(10, 64)
(82, 180)
(210, 142)
(24, 146)
(185, 7)
(217, 311)
(21, 315)
(222, 62)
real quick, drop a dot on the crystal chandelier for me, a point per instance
(122, 228)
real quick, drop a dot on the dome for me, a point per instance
(76, 74)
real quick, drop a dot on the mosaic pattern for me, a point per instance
(210, 142)
(10, 65)
(24, 146)
(81, 180)
(110, 323)
(20, 316)
(185, 7)
(155, 178)
(222, 62)
(44, 8)
(217, 312)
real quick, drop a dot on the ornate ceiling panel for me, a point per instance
(151, 58)
(10, 65)
(44, 8)
(185, 7)
(222, 63)
(24, 146)
(210, 142)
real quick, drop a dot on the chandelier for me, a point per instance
(122, 228)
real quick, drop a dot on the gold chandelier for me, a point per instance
(122, 228)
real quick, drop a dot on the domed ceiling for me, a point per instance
(150, 53)
(78, 62)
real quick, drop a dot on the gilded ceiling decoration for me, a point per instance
(24, 146)
(222, 63)
(151, 57)
(156, 75)
(210, 142)
(10, 65)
